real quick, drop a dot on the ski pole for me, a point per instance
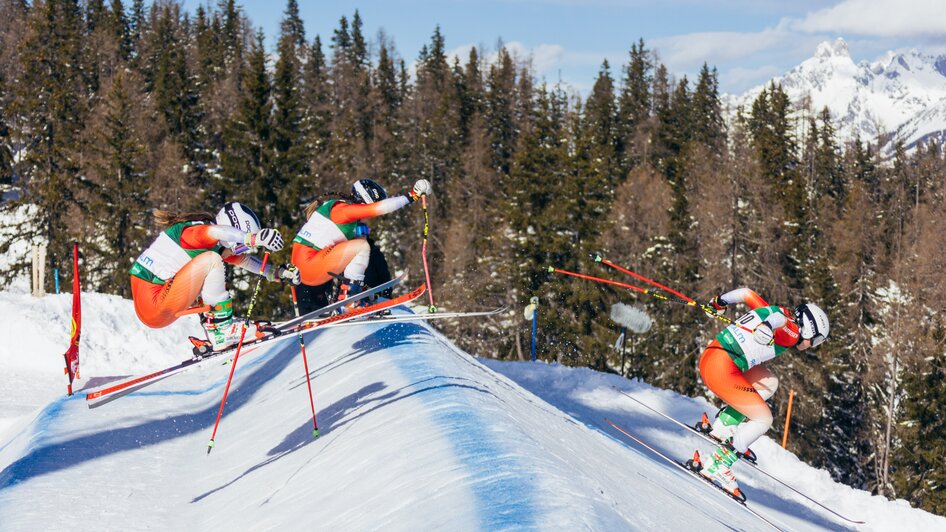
(236, 356)
(305, 362)
(658, 295)
(430, 292)
(598, 258)
(687, 301)
(705, 308)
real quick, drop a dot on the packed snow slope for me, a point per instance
(416, 435)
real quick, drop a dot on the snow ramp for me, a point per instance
(416, 435)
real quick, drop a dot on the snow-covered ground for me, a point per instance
(416, 435)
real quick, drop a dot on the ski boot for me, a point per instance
(223, 331)
(719, 471)
(346, 289)
(723, 427)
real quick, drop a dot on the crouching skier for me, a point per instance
(731, 367)
(187, 260)
(333, 243)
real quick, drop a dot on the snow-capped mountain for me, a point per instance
(899, 96)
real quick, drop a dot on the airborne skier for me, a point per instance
(187, 260)
(731, 367)
(333, 243)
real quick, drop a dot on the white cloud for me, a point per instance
(882, 18)
(685, 51)
(739, 79)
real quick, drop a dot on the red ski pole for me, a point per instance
(305, 363)
(430, 292)
(687, 301)
(236, 356)
(602, 260)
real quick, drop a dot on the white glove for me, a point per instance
(268, 238)
(290, 273)
(422, 187)
(763, 334)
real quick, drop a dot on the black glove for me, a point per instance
(716, 307)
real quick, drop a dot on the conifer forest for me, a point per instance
(111, 109)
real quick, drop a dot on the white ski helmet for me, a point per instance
(368, 191)
(812, 322)
(237, 215)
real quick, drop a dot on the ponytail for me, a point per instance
(164, 219)
(322, 198)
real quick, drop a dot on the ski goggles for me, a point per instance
(816, 340)
(809, 330)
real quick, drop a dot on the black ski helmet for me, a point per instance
(368, 191)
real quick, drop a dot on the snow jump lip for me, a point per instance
(496, 477)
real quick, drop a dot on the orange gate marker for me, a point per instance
(788, 417)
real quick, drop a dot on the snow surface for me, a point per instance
(416, 435)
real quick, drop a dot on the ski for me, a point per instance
(683, 466)
(282, 326)
(115, 391)
(360, 311)
(374, 320)
(749, 462)
(110, 393)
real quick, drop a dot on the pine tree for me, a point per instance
(316, 97)
(706, 112)
(541, 213)
(470, 91)
(280, 191)
(292, 27)
(634, 104)
(389, 152)
(209, 52)
(499, 115)
(596, 158)
(138, 22)
(232, 31)
(248, 156)
(828, 161)
(50, 103)
(597, 173)
(6, 142)
(174, 89)
(118, 168)
(358, 53)
(438, 111)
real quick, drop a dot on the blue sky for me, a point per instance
(749, 41)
